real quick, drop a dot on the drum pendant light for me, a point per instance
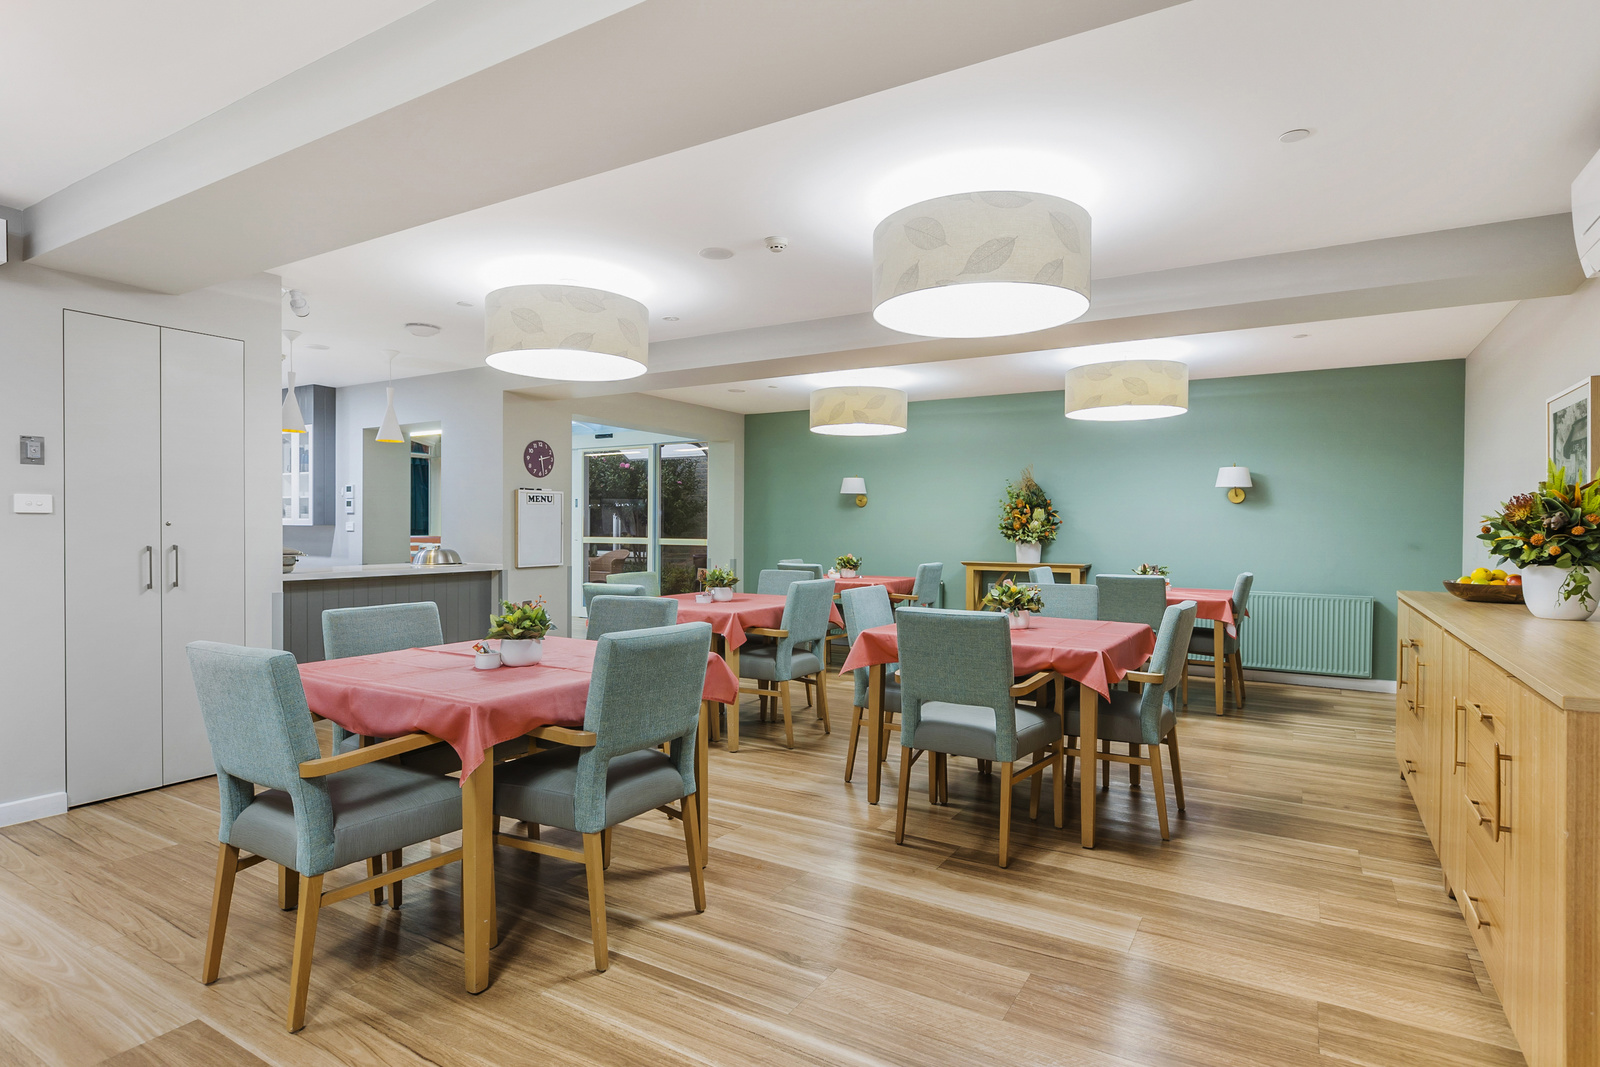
(567, 333)
(389, 432)
(1126, 390)
(985, 264)
(294, 421)
(858, 411)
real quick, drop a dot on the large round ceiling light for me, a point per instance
(982, 264)
(567, 333)
(1128, 389)
(858, 411)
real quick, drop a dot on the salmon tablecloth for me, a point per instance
(731, 618)
(894, 585)
(436, 690)
(1098, 654)
(1213, 604)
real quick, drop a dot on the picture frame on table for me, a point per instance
(1569, 429)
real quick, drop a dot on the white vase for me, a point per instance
(1028, 553)
(722, 593)
(1541, 591)
(847, 574)
(521, 653)
(1018, 620)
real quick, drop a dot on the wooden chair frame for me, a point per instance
(1227, 671)
(1106, 758)
(779, 691)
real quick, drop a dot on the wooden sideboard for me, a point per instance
(1497, 732)
(1076, 574)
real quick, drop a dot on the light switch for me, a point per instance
(33, 503)
(350, 527)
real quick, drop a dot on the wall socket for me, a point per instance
(32, 449)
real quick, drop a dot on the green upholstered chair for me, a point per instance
(776, 581)
(865, 607)
(795, 651)
(594, 589)
(380, 628)
(925, 593)
(1132, 598)
(1229, 666)
(816, 569)
(1149, 718)
(612, 614)
(649, 579)
(1068, 601)
(645, 693)
(1041, 576)
(314, 815)
(958, 699)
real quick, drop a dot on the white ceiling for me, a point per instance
(87, 82)
(1426, 116)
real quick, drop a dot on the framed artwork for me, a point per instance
(1568, 429)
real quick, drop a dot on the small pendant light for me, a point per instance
(389, 433)
(293, 420)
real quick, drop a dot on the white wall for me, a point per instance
(1539, 350)
(34, 630)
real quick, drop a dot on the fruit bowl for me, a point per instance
(1486, 594)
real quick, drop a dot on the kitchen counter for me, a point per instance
(383, 570)
(465, 594)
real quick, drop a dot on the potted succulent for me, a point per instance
(720, 581)
(1027, 518)
(1015, 601)
(848, 565)
(521, 629)
(1553, 535)
(1155, 568)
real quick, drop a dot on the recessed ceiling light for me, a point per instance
(319, 348)
(669, 318)
(1291, 136)
(735, 390)
(421, 329)
(1300, 335)
(716, 253)
(463, 303)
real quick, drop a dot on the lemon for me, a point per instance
(1465, 579)
(1481, 573)
(1481, 581)
(1498, 581)
(1497, 574)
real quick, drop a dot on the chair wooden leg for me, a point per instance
(605, 848)
(221, 898)
(1160, 787)
(1219, 676)
(396, 861)
(1005, 813)
(856, 715)
(1059, 782)
(594, 867)
(1185, 685)
(944, 778)
(822, 701)
(985, 768)
(305, 941)
(1238, 677)
(1133, 768)
(1105, 765)
(288, 888)
(907, 758)
(788, 718)
(933, 777)
(691, 841)
(1071, 761)
(1035, 783)
(375, 866)
(1177, 768)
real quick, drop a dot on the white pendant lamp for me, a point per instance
(982, 264)
(566, 332)
(294, 421)
(858, 411)
(1128, 389)
(389, 432)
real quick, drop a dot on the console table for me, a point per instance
(1077, 574)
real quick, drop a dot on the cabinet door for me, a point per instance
(1533, 783)
(202, 526)
(1452, 765)
(1405, 715)
(111, 454)
(1428, 665)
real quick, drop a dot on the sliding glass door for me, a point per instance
(645, 510)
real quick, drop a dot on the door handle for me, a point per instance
(1411, 768)
(1455, 742)
(150, 567)
(1478, 922)
(1483, 716)
(174, 566)
(1499, 758)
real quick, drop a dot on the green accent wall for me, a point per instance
(1358, 483)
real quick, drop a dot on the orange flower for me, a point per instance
(1577, 531)
(1536, 539)
(1555, 550)
(1592, 520)
(1486, 529)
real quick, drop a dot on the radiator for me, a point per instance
(1308, 633)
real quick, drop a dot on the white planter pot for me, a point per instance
(702, 598)
(1028, 553)
(521, 653)
(1541, 591)
(722, 593)
(485, 661)
(1018, 620)
(847, 574)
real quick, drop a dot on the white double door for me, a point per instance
(153, 457)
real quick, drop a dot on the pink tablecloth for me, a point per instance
(1213, 604)
(1097, 654)
(731, 618)
(436, 690)
(894, 585)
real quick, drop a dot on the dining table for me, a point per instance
(897, 585)
(436, 694)
(731, 621)
(1096, 655)
(1216, 605)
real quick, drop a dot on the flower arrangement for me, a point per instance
(1153, 568)
(527, 621)
(1557, 525)
(720, 578)
(1026, 514)
(848, 562)
(1010, 597)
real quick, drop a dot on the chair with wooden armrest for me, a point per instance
(794, 651)
(1147, 719)
(864, 608)
(925, 591)
(1070, 601)
(1228, 667)
(645, 692)
(1041, 576)
(816, 569)
(317, 813)
(958, 698)
(649, 580)
(594, 589)
(613, 614)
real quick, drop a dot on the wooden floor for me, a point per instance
(1296, 917)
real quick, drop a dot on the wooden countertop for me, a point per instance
(1558, 660)
(382, 570)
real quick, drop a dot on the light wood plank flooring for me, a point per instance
(1295, 918)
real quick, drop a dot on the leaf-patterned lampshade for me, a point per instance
(981, 265)
(1128, 389)
(858, 411)
(566, 332)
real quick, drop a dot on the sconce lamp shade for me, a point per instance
(389, 433)
(1128, 389)
(981, 264)
(858, 411)
(1234, 478)
(566, 332)
(293, 420)
(853, 487)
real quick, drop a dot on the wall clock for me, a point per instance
(539, 458)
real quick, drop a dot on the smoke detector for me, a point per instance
(298, 303)
(421, 329)
(776, 244)
(1291, 136)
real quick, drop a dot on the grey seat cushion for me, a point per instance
(377, 808)
(1119, 720)
(761, 663)
(1201, 641)
(968, 730)
(541, 788)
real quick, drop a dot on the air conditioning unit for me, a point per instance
(1586, 216)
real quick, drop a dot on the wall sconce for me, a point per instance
(858, 486)
(1235, 480)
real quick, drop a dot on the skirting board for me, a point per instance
(1316, 681)
(29, 808)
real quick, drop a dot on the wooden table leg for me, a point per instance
(974, 580)
(702, 777)
(1088, 742)
(1219, 667)
(874, 731)
(477, 871)
(731, 654)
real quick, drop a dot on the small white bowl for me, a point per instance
(485, 661)
(702, 598)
